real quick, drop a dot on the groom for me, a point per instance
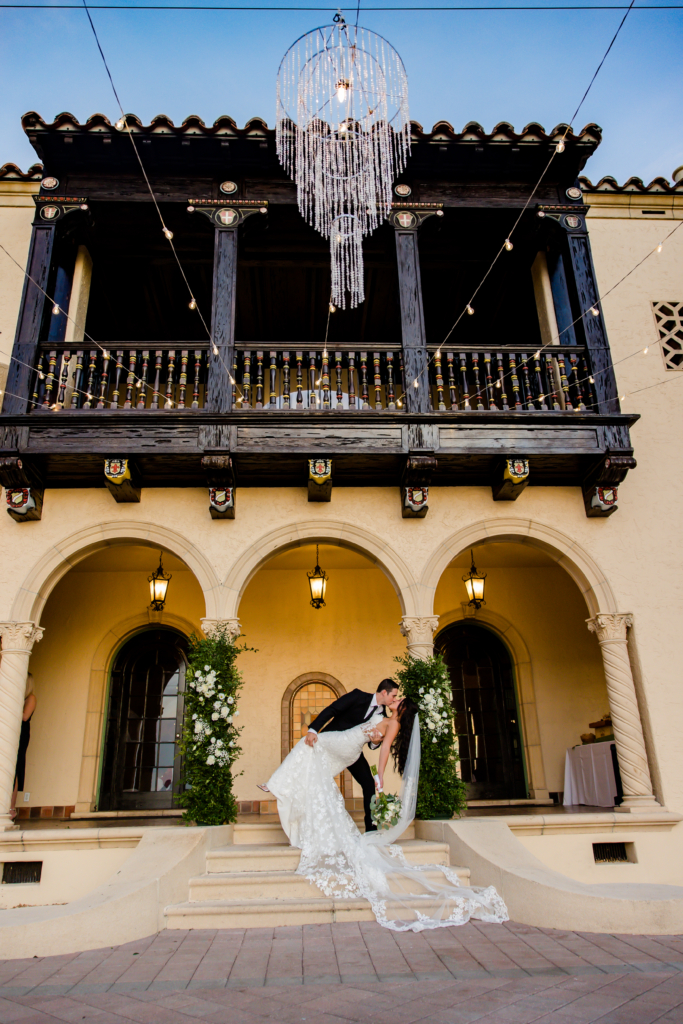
(350, 710)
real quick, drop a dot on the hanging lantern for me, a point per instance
(343, 135)
(317, 581)
(158, 585)
(474, 584)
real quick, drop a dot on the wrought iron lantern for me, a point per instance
(474, 584)
(158, 586)
(317, 581)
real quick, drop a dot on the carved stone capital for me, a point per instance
(234, 626)
(609, 628)
(419, 632)
(19, 636)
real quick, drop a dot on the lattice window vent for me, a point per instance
(669, 320)
(614, 853)
(21, 872)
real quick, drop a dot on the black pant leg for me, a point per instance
(360, 770)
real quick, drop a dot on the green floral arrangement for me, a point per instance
(441, 792)
(210, 741)
(385, 809)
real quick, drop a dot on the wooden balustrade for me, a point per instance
(121, 377)
(164, 377)
(316, 378)
(512, 379)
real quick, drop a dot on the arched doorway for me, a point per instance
(141, 764)
(487, 715)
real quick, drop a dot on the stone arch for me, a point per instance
(324, 532)
(524, 681)
(65, 554)
(96, 707)
(296, 684)
(567, 553)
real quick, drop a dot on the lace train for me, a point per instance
(345, 864)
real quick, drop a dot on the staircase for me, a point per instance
(252, 884)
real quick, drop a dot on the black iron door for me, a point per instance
(141, 763)
(486, 713)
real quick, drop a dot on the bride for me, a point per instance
(344, 863)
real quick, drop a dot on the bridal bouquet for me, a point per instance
(386, 810)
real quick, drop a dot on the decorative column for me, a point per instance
(611, 631)
(234, 626)
(406, 218)
(419, 632)
(18, 639)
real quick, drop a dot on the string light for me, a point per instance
(121, 124)
(169, 234)
(192, 304)
(595, 311)
(646, 350)
(560, 146)
(508, 244)
(55, 310)
(660, 247)
(470, 309)
(214, 349)
(333, 308)
(416, 383)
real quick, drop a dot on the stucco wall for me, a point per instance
(16, 213)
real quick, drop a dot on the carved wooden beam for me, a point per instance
(121, 479)
(510, 479)
(600, 486)
(24, 490)
(220, 477)
(417, 476)
(320, 479)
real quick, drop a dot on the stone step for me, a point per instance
(269, 885)
(268, 913)
(273, 833)
(261, 857)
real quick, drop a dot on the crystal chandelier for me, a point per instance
(343, 135)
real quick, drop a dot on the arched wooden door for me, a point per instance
(306, 703)
(141, 762)
(486, 713)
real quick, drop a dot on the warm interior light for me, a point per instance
(474, 585)
(317, 581)
(158, 586)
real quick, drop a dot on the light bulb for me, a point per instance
(342, 88)
(399, 403)
(317, 383)
(470, 310)
(343, 127)
(138, 383)
(190, 209)
(333, 308)
(169, 234)
(541, 397)
(193, 304)
(55, 310)
(646, 350)
(622, 398)
(659, 247)
(560, 146)
(537, 355)
(121, 124)
(415, 383)
(591, 381)
(215, 352)
(232, 380)
(595, 311)
(508, 244)
(497, 383)
(41, 375)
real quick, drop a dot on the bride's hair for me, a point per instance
(406, 720)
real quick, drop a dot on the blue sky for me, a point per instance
(485, 66)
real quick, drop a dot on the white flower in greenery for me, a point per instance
(222, 696)
(211, 759)
(194, 717)
(434, 739)
(430, 724)
(219, 743)
(229, 719)
(215, 716)
(207, 668)
(231, 743)
(444, 715)
(231, 700)
(224, 712)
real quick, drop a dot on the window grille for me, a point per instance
(669, 320)
(21, 872)
(609, 853)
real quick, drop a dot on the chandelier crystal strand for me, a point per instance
(343, 135)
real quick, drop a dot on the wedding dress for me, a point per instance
(344, 863)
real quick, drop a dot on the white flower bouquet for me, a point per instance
(385, 809)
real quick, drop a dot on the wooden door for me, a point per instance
(142, 763)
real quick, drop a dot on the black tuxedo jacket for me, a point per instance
(346, 711)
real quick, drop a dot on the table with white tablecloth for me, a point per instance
(589, 775)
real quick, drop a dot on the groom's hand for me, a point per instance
(375, 736)
(311, 739)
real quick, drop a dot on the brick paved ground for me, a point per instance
(347, 973)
